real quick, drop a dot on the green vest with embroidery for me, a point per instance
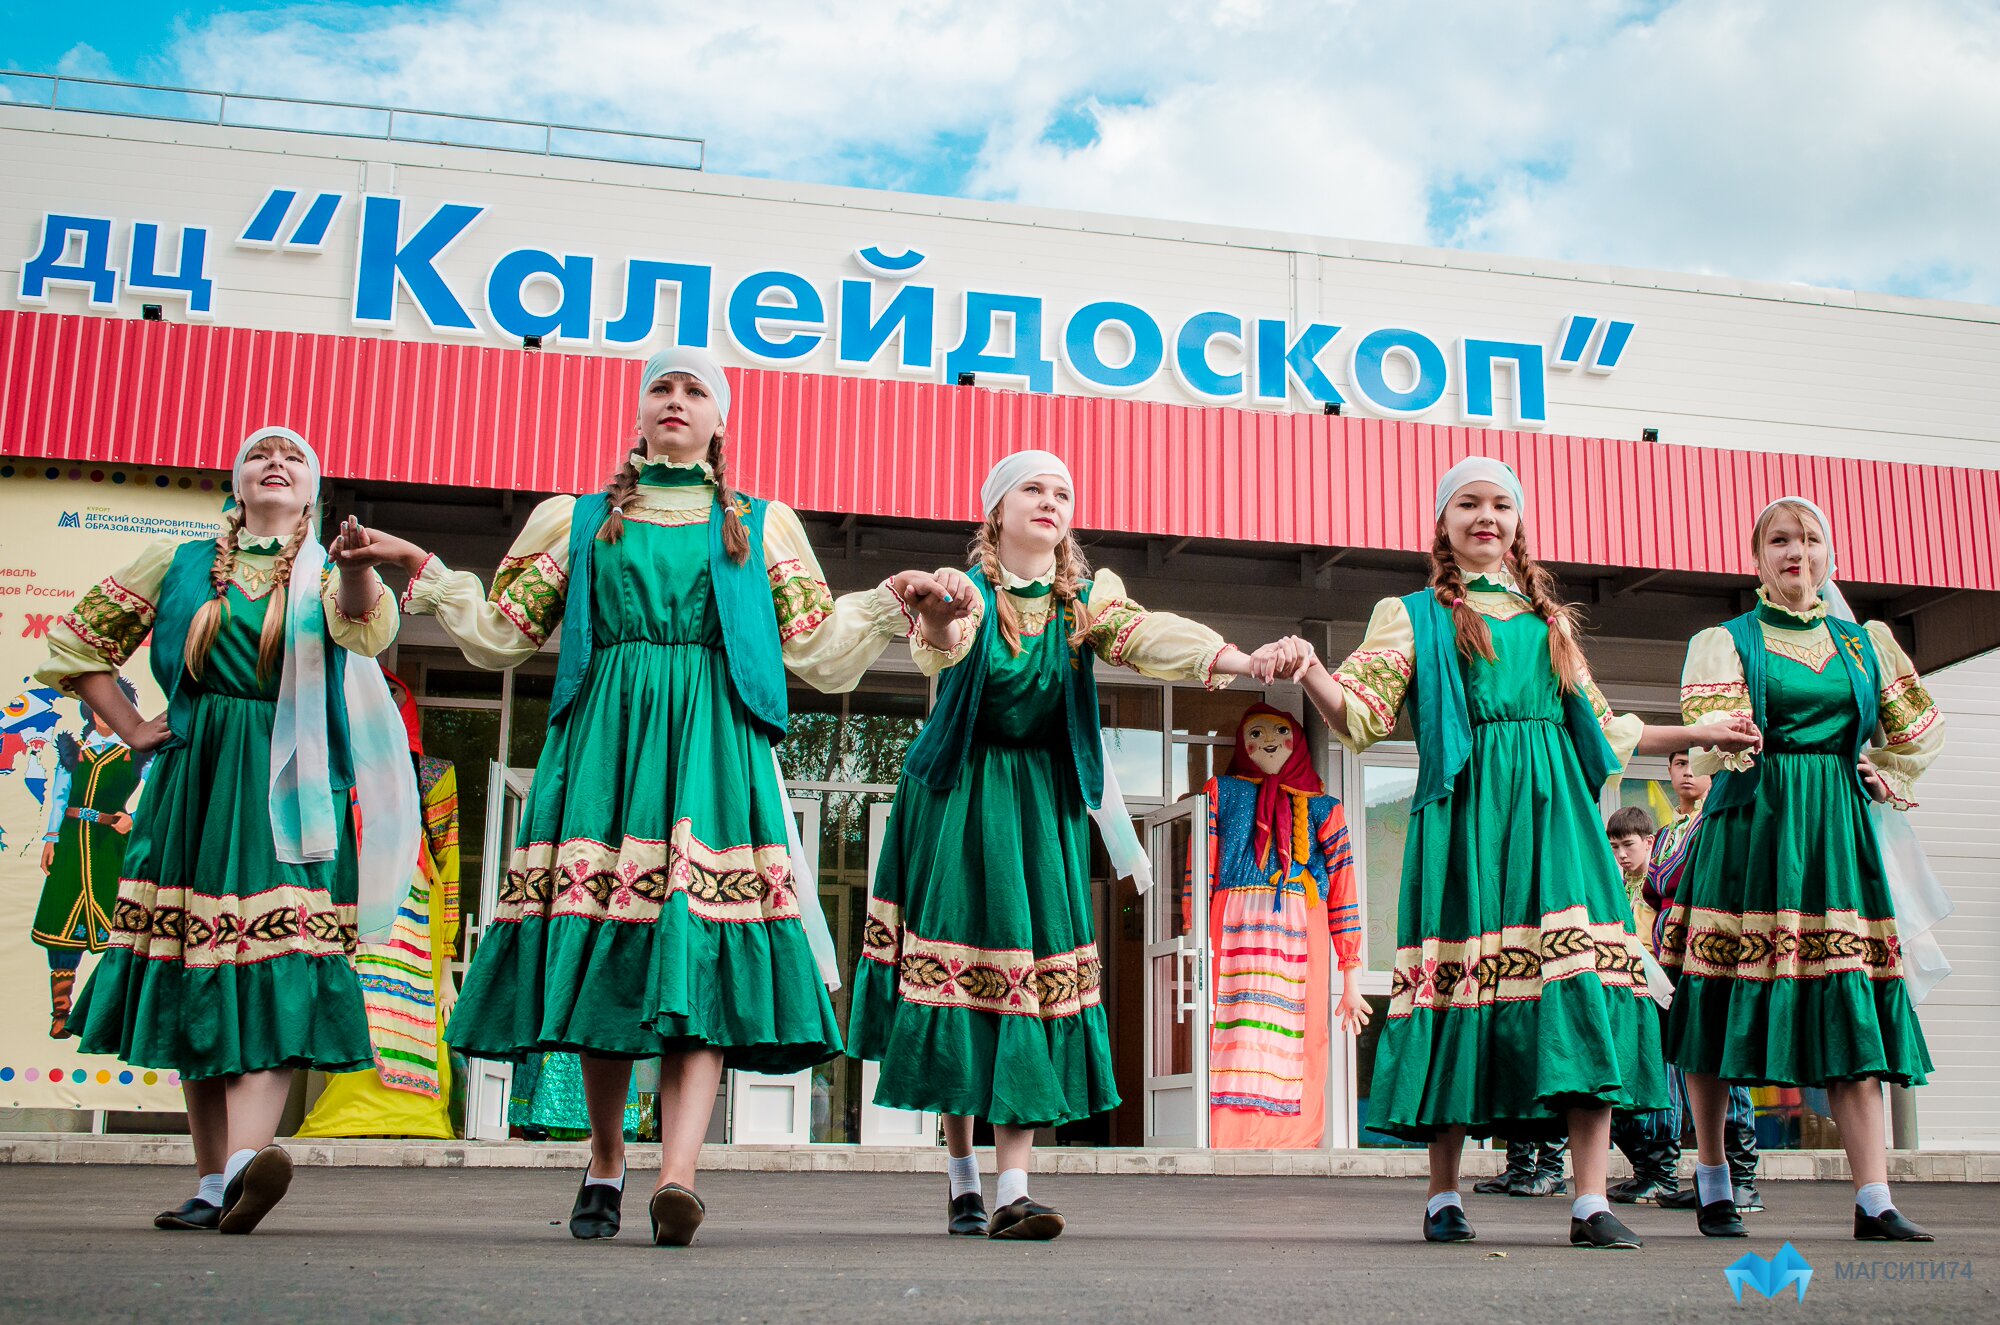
(937, 758)
(1864, 673)
(1444, 724)
(742, 600)
(186, 588)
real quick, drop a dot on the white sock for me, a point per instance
(963, 1173)
(1711, 1183)
(1013, 1186)
(1583, 1207)
(234, 1165)
(1874, 1199)
(209, 1188)
(616, 1184)
(1441, 1200)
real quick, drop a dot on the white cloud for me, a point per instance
(1851, 142)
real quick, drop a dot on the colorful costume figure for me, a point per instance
(224, 959)
(1652, 1140)
(1517, 991)
(1783, 927)
(1282, 915)
(649, 905)
(93, 783)
(406, 982)
(978, 988)
(546, 1099)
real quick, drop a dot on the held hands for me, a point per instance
(356, 548)
(1287, 659)
(938, 599)
(1734, 735)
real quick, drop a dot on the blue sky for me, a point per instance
(1848, 143)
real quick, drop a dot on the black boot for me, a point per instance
(1739, 1146)
(1653, 1176)
(1548, 1175)
(1520, 1169)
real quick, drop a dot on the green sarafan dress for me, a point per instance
(1783, 929)
(81, 889)
(1517, 991)
(222, 959)
(978, 988)
(649, 905)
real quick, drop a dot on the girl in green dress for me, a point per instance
(237, 912)
(649, 908)
(1518, 1004)
(1785, 926)
(978, 985)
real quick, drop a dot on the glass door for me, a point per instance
(880, 1126)
(771, 1110)
(488, 1083)
(1176, 976)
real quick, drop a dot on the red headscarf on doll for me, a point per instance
(1275, 808)
(406, 704)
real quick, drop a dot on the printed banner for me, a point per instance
(62, 529)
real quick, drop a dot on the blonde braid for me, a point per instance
(1474, 639)
(986, 556)
(1072, 568)
(271, 639)
(619, 491)
(735, 538)
(1565, 629)
(207, 621)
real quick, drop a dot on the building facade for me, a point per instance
(1255, 420)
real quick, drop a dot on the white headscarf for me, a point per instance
(1014, 470)
(698, 364)
(304, 825)
(1478, 469)
(1829, 592)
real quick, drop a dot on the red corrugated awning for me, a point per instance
(111, 390)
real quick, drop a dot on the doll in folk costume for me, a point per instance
(83, 850)
(1282, 917)
(651, 907)
(245, 889)
(979, 984)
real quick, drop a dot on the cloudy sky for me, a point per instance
(1850, 143)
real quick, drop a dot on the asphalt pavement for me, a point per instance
(77, 1244)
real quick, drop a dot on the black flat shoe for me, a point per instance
(677, 1213)
(260, 1185)
(1718, 1219)
(1889, 1226)
(1684, 1198)
(1025, 1220)
(193, 1213)
(1448, 1225)
(1602, 1232)
(968, 1216)
(595, 1214)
